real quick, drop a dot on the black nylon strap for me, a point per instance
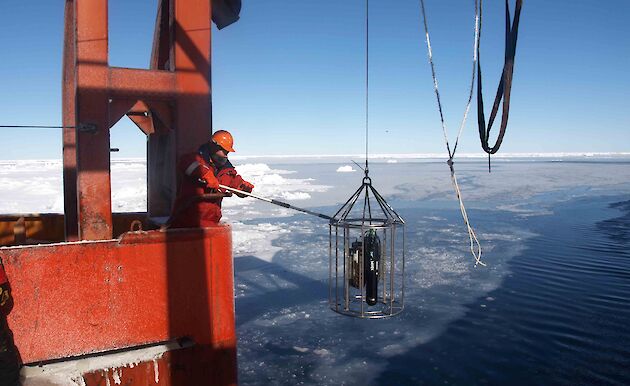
(505, 85)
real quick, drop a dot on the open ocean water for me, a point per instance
(551, 308)
(561, 316)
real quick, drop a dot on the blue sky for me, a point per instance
(289, 78)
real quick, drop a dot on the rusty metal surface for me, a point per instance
(138, 83)
(92, 72)
(68, 101)
(92, 296)
(47, 228)
(118, 108)
(162, 49)
(162, 116)
(78, 298)
(177, 88)
(141, 115)
(192, 31)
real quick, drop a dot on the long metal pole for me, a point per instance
(275, 202)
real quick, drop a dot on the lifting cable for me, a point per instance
(366, 202)
(505, 85)
(475, 246)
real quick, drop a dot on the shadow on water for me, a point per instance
(271, 286)
(560, 318)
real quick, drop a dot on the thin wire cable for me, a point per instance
(367, 78)
(360, 167)
(83, 127)
(36, 127)
(475, 246)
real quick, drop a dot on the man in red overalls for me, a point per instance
(9, 366)
(198, 202)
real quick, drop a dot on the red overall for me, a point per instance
(9, 362)
(190, 210)
(3, 275)
(4, 289)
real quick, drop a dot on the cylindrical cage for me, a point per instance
(367, 258)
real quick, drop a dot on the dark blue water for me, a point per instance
(562, 317)
(551, 308)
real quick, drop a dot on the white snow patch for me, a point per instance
(36, 186)
(296, 195)
(345, 169)
(273, 183)
(256, 239)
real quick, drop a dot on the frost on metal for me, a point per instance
(70, 373)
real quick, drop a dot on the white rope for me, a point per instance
(471, 232)
(475, 246)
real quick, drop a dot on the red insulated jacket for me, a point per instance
(190, 210)
(3, 275)
(4, 292)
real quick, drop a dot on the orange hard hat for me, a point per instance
(224, 139)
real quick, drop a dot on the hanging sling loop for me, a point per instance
(505, 85)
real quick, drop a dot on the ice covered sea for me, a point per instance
(551, 307)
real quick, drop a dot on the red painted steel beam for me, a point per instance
(118, 108)
(181, 49)
(140, 114)
(192, 32)
(162, 115)
(162, 50)
(162, 146)
(141, 84)
(71, 217)
(77, 298)
(92, 72)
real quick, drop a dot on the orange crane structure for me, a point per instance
(91, 283)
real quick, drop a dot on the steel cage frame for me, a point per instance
(348, 299)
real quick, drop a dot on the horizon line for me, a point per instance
(386, 156)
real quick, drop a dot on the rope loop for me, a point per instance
(475, 246)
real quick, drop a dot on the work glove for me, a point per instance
(239, 183)
(246, 187)
(211, 180)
